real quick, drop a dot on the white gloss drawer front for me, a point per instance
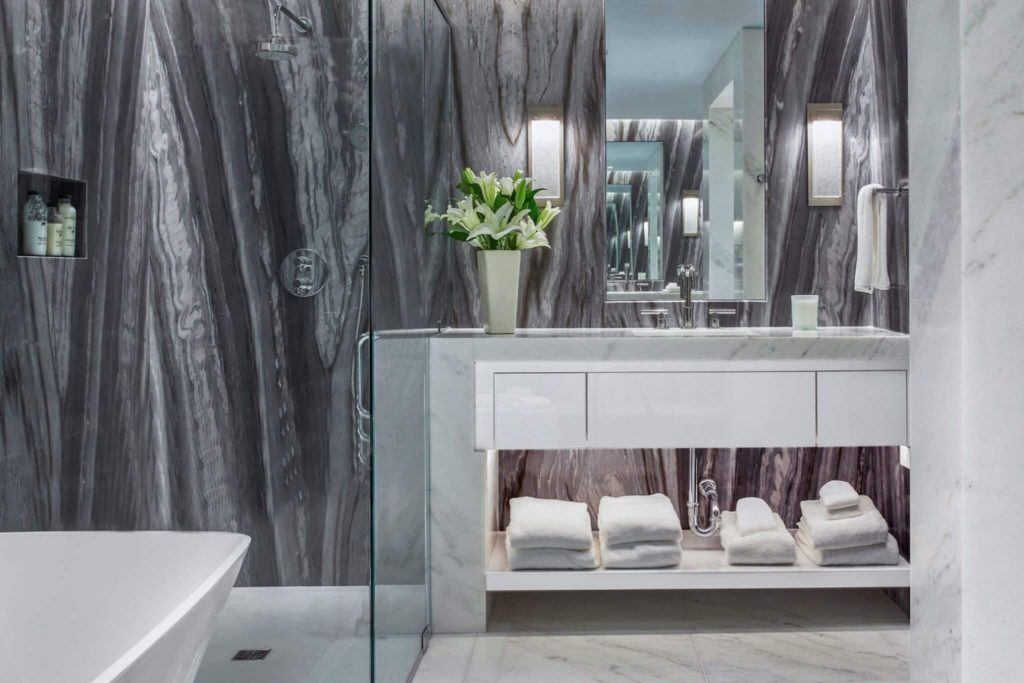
(540, 410)
(701, 409)
(862, 408)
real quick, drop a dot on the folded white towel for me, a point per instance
(845, 513)
(633, 519)
(641, 555)
(872, 240)
(767, 547)
(549, 558)
(838, 495)
(753, 515)
(887, 553)
(831, 534)
(540, 523)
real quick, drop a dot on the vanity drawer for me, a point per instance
(701, 409)
(540, 410)
(862, 408)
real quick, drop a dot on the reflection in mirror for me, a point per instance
(685, 148)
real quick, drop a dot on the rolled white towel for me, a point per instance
(767, 547)
(634, 519)
(838, 495)
(753, 515)
(869, 528)
(541, 523)
(549, 558)
(887, 553)
(641, 555)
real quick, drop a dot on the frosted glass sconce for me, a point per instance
(825, 154)
(547, 153)
(691, 213)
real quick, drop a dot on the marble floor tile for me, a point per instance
(498, 658)
(315, 635)
(800, 657)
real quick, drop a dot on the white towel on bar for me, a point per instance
(549, 558)
(767, 547)
(632, 519)
(830, 534)
(641, 555)
(753, 515)
(838, 495)
(541, 523)
(872, 240)
(887, 553)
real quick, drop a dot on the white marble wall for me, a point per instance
(992, 86)
(967, 360)
(935, 305)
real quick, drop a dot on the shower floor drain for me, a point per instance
(250, 655)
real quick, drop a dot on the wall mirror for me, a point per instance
(685, 148)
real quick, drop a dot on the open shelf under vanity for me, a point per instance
(699, 570)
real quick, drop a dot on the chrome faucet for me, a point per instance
(686, 276)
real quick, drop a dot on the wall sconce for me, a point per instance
(546, 152)
(691, 213)
(825, 154)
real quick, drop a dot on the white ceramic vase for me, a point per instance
(499, 289)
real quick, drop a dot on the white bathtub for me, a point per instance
(93, 607)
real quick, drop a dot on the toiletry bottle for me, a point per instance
(54, 233)
(69, 215)
(33, 242)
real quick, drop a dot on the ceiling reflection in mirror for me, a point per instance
(685, 148)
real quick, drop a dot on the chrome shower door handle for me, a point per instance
(363, 413)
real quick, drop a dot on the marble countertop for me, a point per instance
(755, 344)
(679, 335)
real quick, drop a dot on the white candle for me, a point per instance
(805, 312)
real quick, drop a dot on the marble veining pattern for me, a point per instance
(705, 637)
(169, 382)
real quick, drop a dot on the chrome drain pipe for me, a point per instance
(707, 489)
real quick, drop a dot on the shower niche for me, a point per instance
(51, 189)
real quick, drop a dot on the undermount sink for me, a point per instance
(696, 332)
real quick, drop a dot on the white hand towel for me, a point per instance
(753, 515)
(887, 553)
(540, 523)
(845, 513)
(766, 547)
(641, 555)
(872, 240)
(838, 495)
(549, 558)
(632, 519)
(831, 534)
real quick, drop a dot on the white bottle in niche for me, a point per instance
(54, 233)
(69, 215)
(33, 230)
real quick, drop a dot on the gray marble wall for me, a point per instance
(510, 54)
(168, 381)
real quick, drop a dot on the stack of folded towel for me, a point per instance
(844, 528)
(639, 532)
(549, 534)
(754, 534)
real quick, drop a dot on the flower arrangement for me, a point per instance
(497, 214)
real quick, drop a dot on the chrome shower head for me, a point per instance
(277, 48)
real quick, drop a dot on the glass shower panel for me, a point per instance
(411, 145)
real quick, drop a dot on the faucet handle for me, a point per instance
(660, 315)
(716, 314)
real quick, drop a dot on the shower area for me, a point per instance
(237, 341)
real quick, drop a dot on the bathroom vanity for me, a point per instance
(643, 388)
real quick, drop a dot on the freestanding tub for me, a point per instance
(92, 607)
